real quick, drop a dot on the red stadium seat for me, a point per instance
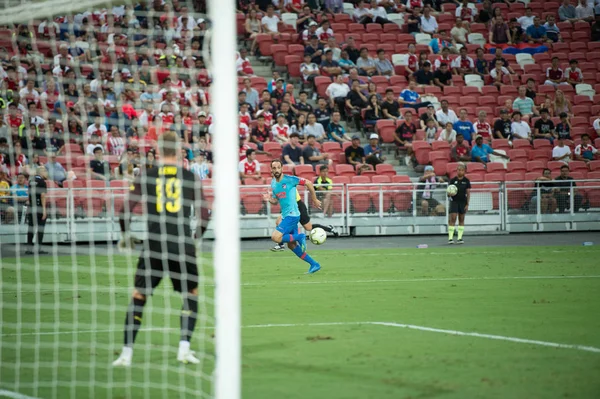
(474, 167)
(385, 129)
(385, 169)
(345, 170)
(535, 166)
(515, 166)
(495, 167)
(422, 150)
(386, 193)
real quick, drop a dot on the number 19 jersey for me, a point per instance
(285, 191)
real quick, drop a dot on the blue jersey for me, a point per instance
(285, 191)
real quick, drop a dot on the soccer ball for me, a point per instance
(452, 190)
(318, 236)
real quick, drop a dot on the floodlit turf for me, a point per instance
(531, 293)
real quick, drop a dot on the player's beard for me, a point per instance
(277, 175)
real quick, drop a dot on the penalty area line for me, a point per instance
(14, 395)
(517, 340)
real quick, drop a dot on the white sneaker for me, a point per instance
(123, 361)
(187, 356)
(278, 247)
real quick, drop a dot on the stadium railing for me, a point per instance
(90, 214)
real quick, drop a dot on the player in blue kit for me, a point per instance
(283, 190)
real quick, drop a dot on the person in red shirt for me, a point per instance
(249, 168)
(243, 66)
(14, 119)
(244, 115)
(482, 127)
(162, 72)
(11, 81)
(261, 133)
(413, 60)
(243, 148)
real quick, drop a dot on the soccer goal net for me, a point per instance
(109, 111)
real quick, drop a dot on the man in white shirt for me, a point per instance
(97, 126)
(561, 152)
(376, 14)
(520, 129)
(270, 21)
(337, 92)
(526, 20)
(428, 22)
(445, 115)
(596, 126)
(584, 11)
(63, 56)
(459, 32)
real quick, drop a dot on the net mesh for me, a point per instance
(87, 89)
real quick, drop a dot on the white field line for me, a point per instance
(14, 395)
(325, 282)
(371, 323)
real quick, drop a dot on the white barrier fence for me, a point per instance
(90, 214)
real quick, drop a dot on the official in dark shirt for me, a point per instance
(563, 183)
(459, 203)
(424, 76)
(37, 211)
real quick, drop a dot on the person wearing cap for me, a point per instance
(481, 152)
(312, 155)
(355, 154)
(291, 153)
(309, 32)
(373, 151)
(315, 50)
(503, 126)
(429, 206)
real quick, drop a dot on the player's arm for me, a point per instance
(43, 199)
(468, 199)
(313, 193)
(135, 191)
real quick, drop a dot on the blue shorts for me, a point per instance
(289, 225)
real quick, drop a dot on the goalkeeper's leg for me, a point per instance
(189, 314)
(133, 322)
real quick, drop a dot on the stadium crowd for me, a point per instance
(87, 95)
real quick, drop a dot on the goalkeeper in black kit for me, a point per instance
(167, 193)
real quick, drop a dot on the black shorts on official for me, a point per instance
(458, 207)
(151, 269)
(304, 216)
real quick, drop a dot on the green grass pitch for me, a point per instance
(318, 336)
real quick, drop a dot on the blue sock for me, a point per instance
(303, 255)
(291, 237)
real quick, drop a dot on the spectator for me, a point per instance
(251, 94)
(595, 28)
(584, 11)
(430, 131)
(335, 131)
(526, 20)
(56, 172)
(498, 73)
(503, 126)
(243, 66)
(464, 126)
(466, 11)
(305, 19)
(482, 127)
(424, 76)
(562, 104)
(573, 74)
(329, 66)
(430, 114)
(499, 32)
(314, 128)
(334, 7)
(448, 134)
(564, 183)
(409, 98)
(547, 201)
(460, 152)
(302, 106)
(585, 151)
(460, 31)
(324, 32)
(480, 152)
(309, 32)
(499, 57)
(366, 65)
(270, 22)
(536, 33)
(445, 57)
(554, 75)
(323, 112)
(404, 134)
(442, 42)
(391, 108)
(516, 31)
(486, 13)
(309, 69)
(300, 127)
(520, 129)
(345, 62)
(356, 102)
(260, 133)
(281, 130)
(249, 168)
(335, 49)
(463, 64)
(315, 50)
(544, 127)
(373, 111)
(383, 65)
(561, 152)
(481, 64)
(443, 77)
(563, 129)
(373, 151)
(530, 86)
(552, 30)
(376, 14)
(596, 126)
(445, 114)
(20, 194)
(313, 156)
(292, 152)
(427, 186)
(99, 168)
(355, 154)
(337, 92)
(567, 13)
(353, 52)
(524, 104)
(413, 22)
(428, 22)
(253, 28)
